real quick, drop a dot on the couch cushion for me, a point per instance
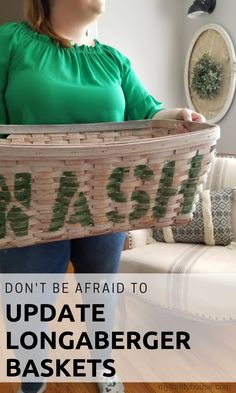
(222, 175)
(211, 223)
(178, 258)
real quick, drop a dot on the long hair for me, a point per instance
(37, 14)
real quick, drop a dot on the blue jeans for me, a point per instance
(94, 254)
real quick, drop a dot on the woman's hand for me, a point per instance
(184, 114)
(189, 115)
(180, 114)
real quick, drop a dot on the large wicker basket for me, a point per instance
(69, 181)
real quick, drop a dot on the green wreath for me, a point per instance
(207, 77)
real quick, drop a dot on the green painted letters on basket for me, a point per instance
(165, 190)
(67, 189)
(114, 192)
(15, 215)
(68, 186)
(142, 172)
(82, 213)
(113, 186)
(190, 187)
(142, 198)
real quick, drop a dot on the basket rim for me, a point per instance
(102, 126)
(193, 139)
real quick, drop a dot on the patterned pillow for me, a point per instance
(211, 223)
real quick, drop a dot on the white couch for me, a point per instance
(149, 256)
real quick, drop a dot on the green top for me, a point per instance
(44, 83)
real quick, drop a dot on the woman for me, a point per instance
(52, 72)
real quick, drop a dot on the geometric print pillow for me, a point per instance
(211, 223)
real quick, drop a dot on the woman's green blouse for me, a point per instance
(42, 82)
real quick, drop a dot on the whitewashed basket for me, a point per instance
(69, 181)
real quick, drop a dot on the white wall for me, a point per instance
(225, 15)
(149, 32)
(155, 34)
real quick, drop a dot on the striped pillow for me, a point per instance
(211, 223)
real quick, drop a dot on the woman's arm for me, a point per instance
(140, 104)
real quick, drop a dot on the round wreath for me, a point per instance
(207, 77)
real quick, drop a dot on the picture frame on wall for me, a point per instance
(210, 72)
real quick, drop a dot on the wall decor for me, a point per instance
(210, 72)
(201, 7)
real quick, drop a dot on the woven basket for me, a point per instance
(69, 181)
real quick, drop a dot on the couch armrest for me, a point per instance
(140, 237)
